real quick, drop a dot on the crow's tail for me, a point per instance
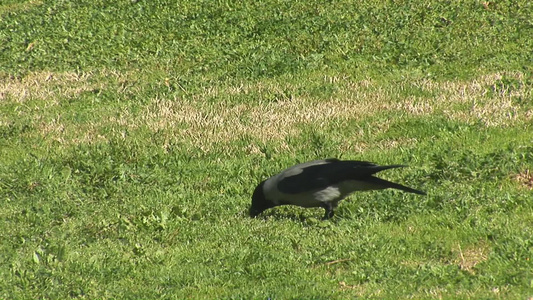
(387, 184)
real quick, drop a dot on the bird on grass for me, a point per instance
(321, 183)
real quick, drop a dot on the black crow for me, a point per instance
(321, 183)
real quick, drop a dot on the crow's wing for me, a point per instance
(317, 175)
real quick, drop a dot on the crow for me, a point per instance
(321, 183)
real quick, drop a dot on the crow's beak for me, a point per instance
(254, 212)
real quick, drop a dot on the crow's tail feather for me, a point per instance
(382, 168)
(388, 184)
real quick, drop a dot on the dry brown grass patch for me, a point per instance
(469, 101)
(465, 258)
(360, 290)
(498, 109)
(53, 87)
(525, 179)
(219, 122)
(357, 289)
(48, 89)
(469, 257)
(206, 123)
(14, 7)
(46, 86)
(207, 119)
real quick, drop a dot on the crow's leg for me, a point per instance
(328, 207)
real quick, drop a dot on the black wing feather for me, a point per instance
(320, 176)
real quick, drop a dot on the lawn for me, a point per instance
(132, 135)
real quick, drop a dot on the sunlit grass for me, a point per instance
(133, 133)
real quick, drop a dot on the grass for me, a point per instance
(132, 135)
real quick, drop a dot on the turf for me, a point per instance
(132, 134)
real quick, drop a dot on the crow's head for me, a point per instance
(259, 202)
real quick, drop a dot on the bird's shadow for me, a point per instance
(305, 216)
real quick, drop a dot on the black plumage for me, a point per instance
(321, 183)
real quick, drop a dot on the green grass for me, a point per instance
(133, 133)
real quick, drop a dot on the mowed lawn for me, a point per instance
(132, 135)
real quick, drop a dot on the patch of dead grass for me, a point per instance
(415, 107)
(525, 179)
(53, 87)
(468, 258)
(469, 101)
(68, 134)
(498, 109)
(205, 123)
(48, 89)
(47, 86)
(208, 124)
(16, 7)
(219, 122)
(360, 290)
(465, 258)
(357, 289)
